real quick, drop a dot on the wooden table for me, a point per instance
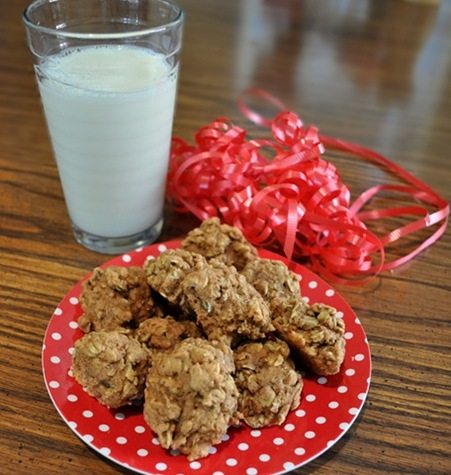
(377, 73)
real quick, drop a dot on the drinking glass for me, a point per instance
(107, 75)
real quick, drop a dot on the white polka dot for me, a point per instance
(366, 340)
(72, 398)
(88, 438)
(212, 450)
(231, 462)
(218, 473)
(357, 321)
(339, 314)
(343, 425)
(350, 372)
(55, 360)
(126, 258)
(251, 471)
(142, 452)
(56, 336)
(195, 465)
(330, 443)
(155, 441)
(105, 451)
(299, 451)
(288, 465)
(104, 427)
(71, 350)
(306, 299)
(368, 379)
(353, 411)
(174, 452)
(362, 396)
(140, 429)
(278, 441)
(313, 284)
(321, 380)
(310, 397)
(73, 300)
(289, 427)
(320, 420)
(300, 413)
(57, 311)
(87, 414)
(44, 346)
(359, 357)
(225, 437)
(348, 335)
(342, 389)
(264, 457)
(310, 434)
(162, 248)
(330, 293)
(255, 433)
(120, 416)
(72, 424)
(150, 258)
(73, 325)
(243, 446)
(161, 466)
(139, 249)
(70, 374)
(121, 440)
(333, 404)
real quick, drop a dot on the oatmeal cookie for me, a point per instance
(191, 397)
(267, 381)
(215, 240)
(272, 279)
(315, 332)
(111, 367)
(225, 303)
(166, 273)
(116, 297)
(164, 333)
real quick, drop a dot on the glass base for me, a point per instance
(117, 245)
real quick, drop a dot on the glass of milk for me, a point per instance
(107, 75)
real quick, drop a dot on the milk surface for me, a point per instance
(109, 111)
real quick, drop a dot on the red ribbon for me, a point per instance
(296, 198)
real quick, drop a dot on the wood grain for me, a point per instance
(377, 73)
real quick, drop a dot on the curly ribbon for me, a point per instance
(296, 198)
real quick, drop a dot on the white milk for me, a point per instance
(109, 111)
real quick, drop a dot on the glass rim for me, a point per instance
(103, 36)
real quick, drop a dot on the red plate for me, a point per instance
(328, 407)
